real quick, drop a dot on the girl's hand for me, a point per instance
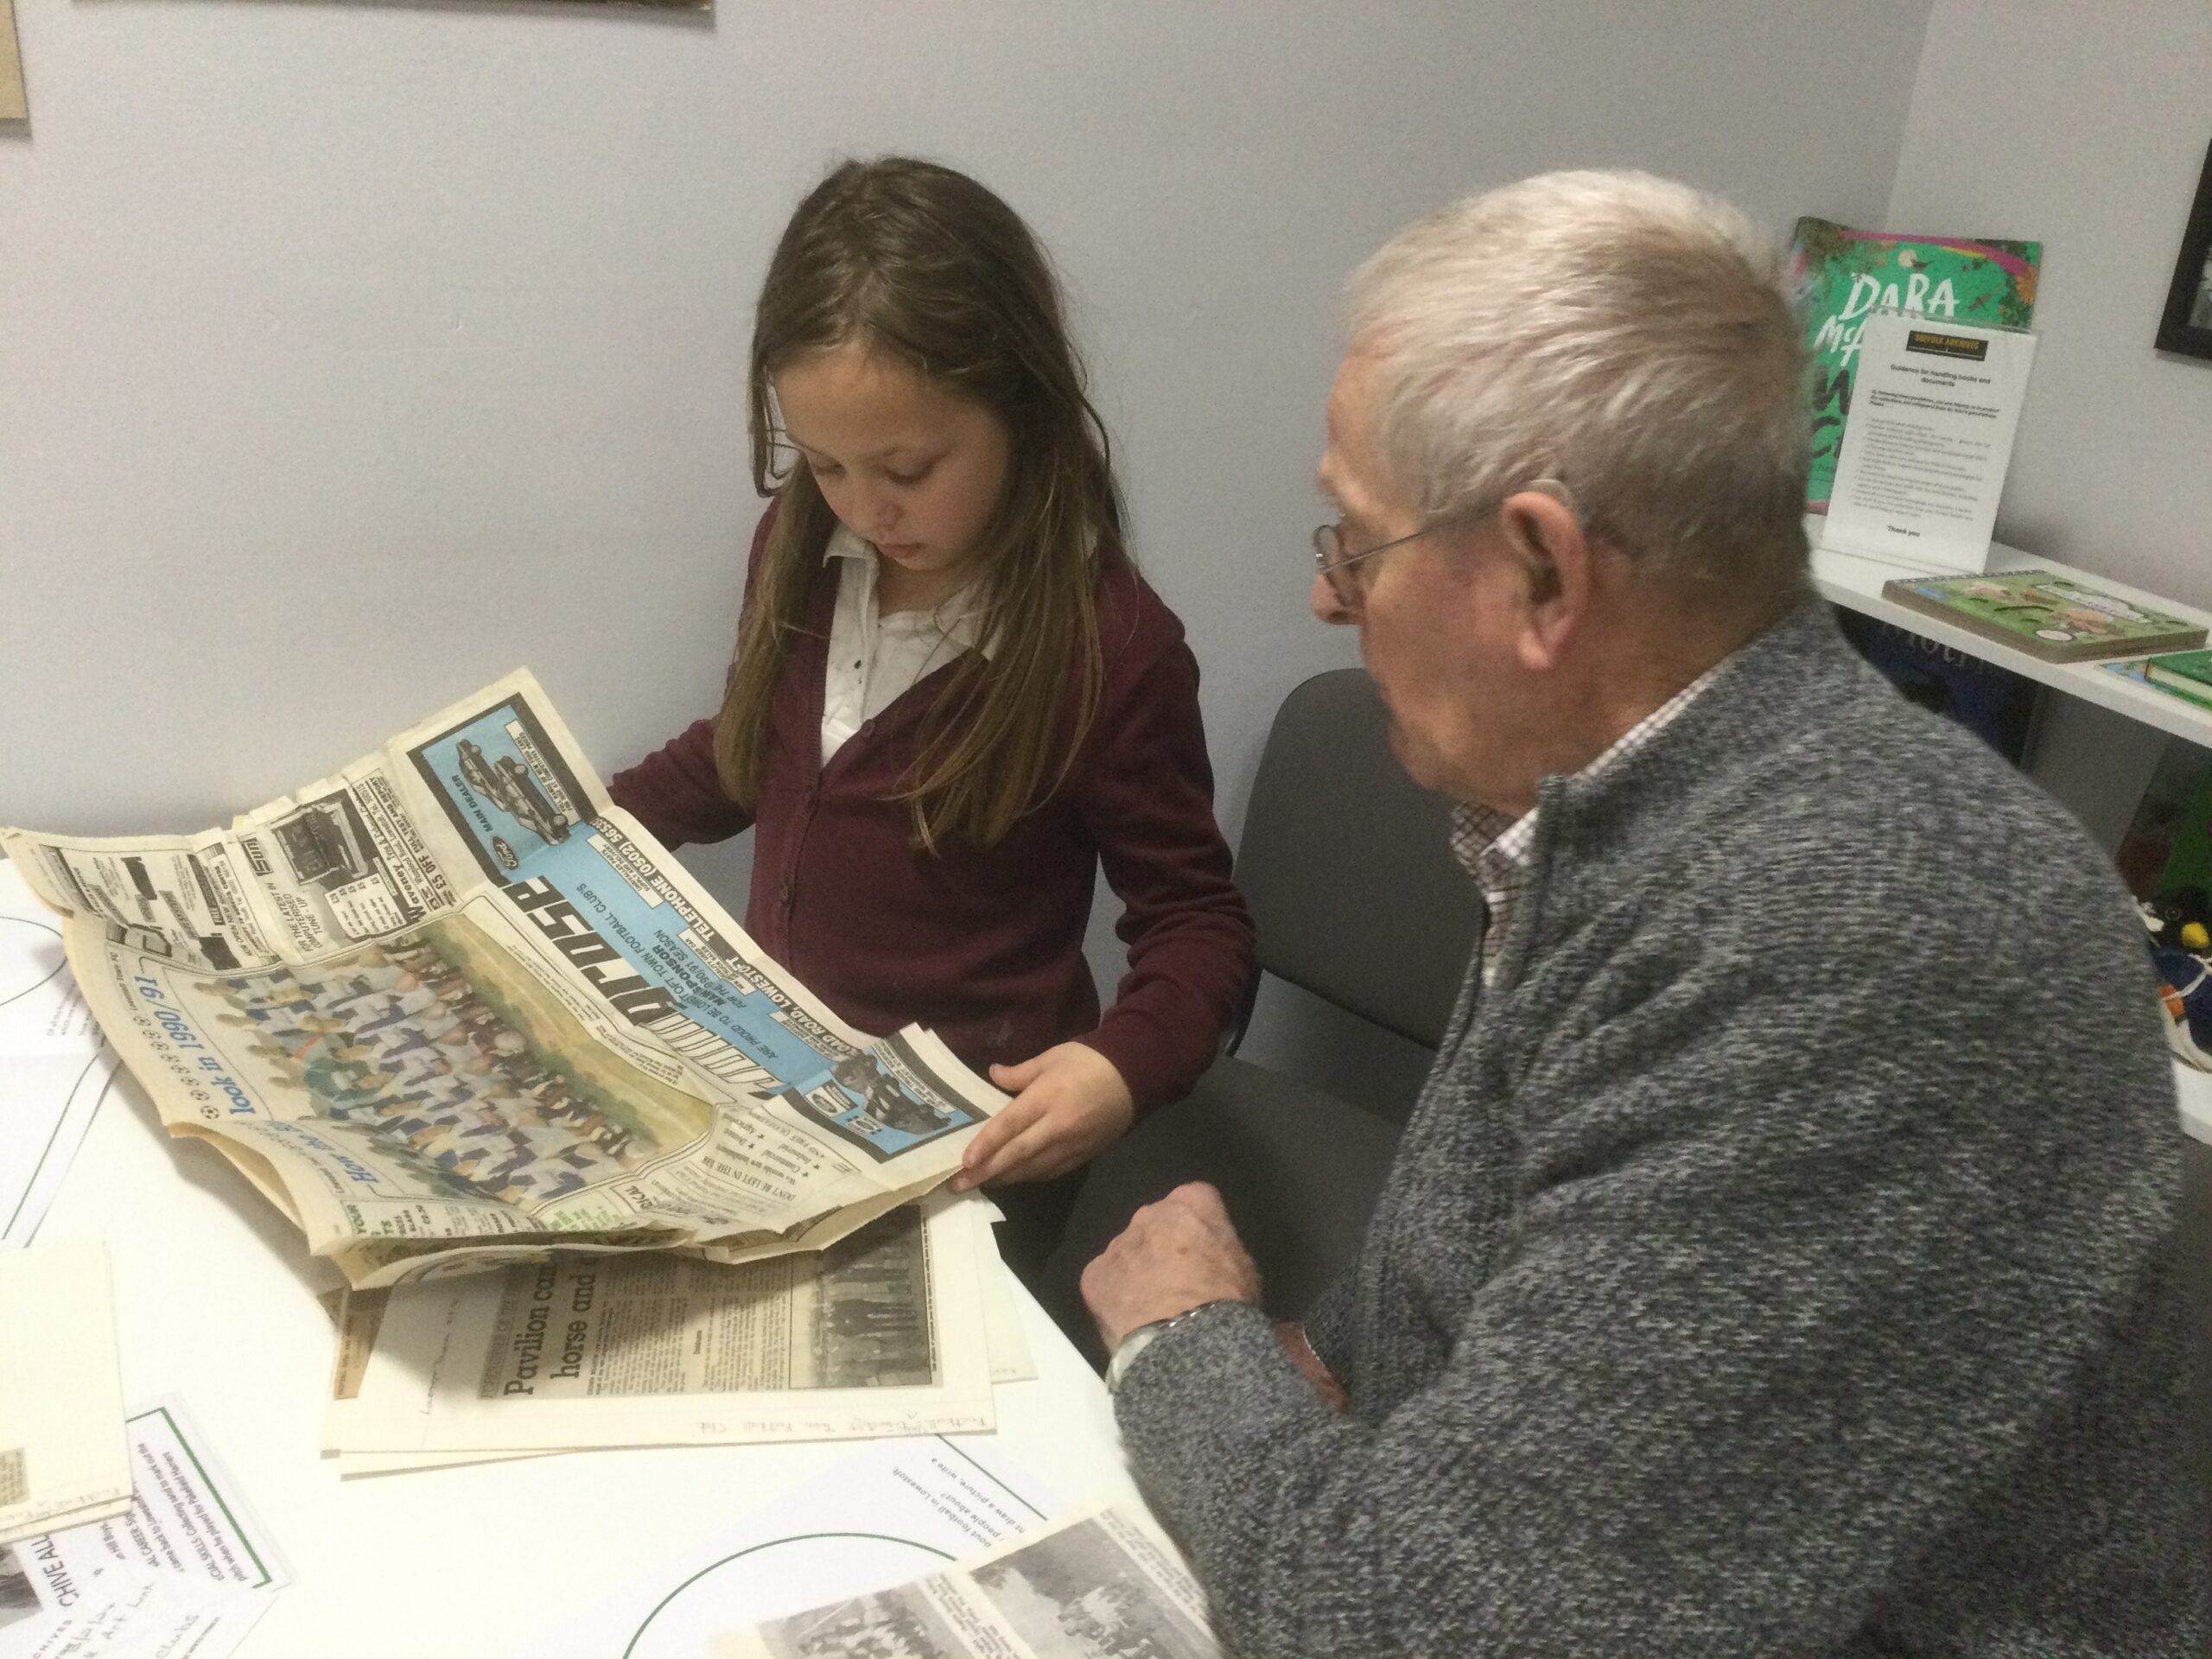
(1068, 1103)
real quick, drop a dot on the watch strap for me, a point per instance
(1135, 1341)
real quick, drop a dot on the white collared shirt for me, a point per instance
(875, 659)
(1493, 846)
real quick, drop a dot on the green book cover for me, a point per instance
(1840, 275)
(2049, 616)
(2189, 864)
(2187, 671)
(2137, 669)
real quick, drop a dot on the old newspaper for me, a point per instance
(1105, 1583)
(881, 1333)
(452, 1008)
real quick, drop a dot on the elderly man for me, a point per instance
(1779, 1258)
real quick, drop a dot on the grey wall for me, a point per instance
(350, 354)
(2084, 126)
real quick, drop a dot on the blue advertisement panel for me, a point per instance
(527, 818)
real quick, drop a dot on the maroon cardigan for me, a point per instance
(985, 945)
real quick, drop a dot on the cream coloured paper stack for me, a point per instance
(359, 1316)
(883, 1333)
(64, 1459)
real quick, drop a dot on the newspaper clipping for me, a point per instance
(1103, 1586)
(882, 1332)
(452, 1008)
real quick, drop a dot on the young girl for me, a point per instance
(954, 700)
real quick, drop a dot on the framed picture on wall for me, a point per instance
(2187, 325)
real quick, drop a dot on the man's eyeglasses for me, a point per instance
(1332, 562)
(1331, 559)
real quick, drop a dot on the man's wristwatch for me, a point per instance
(1135, 1341)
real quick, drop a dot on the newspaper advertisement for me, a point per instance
(452, 1008)
(1105, 1585)
(882, 1332)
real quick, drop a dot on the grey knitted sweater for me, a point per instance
(1778, 1259)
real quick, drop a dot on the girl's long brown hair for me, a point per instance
(922, 262)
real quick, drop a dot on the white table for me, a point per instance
(216, 1302)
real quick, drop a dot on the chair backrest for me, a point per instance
(1347, 864)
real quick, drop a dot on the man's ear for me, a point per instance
(1555, 560)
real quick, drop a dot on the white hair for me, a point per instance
(1629, 336)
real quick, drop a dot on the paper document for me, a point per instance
(46, 1104)
(54, 1068)
(1011, 1360)
(898, 1509)
(119, 1615)
(359, 1316)
(63, 1458)
(452, 1009)
(880, 1334)
(1106, 1582)
(184, 1573)
(41, 1009)
(1923, 463)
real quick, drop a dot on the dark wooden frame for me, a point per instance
(2191, 274)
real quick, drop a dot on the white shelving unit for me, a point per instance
(1854, 581)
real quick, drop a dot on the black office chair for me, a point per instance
(1349, 872)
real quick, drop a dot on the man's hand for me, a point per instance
(1172, 1256)
(1069, 1103)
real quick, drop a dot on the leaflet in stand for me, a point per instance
(1922, 467)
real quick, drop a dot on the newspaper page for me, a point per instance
(879, 1333)
(452, 1008)
(358, 1316)
(1104, 1583)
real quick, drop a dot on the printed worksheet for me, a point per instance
(184, 1574)
(55, 1068)
(900, 1509)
